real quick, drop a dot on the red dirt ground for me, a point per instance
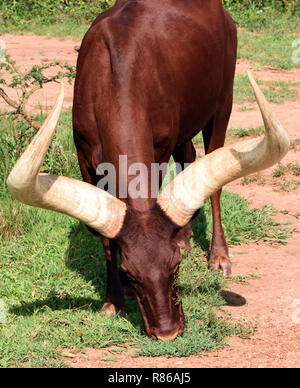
(274, 298)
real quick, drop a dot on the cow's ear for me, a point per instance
(183, 236)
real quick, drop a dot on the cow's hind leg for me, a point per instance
(214, 138)
(114, 301)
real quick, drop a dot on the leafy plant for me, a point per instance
(27, 83)
(22, 12)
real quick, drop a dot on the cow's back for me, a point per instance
(151, 72)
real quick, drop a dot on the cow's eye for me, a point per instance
(130, 277)
(125, 270)
(175, 268)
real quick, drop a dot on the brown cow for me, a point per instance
(151, 74)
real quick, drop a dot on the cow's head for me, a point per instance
(150, 257)
(150, 254)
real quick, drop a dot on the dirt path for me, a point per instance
(274, 298)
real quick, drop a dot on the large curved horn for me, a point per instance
(188, 191)
(94, 207)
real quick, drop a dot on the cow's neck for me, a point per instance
(132, 155)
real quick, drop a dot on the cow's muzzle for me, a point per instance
(167, 335)
(164, 327)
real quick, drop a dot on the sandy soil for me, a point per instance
(274, 298)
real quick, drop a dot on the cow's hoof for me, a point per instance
(220, 262)
(110, 310)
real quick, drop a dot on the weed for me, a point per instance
(295, 145)
(25, 12)
(27, 83)
(233, 134)
(294, 168)
(246, 108)
(257, 178)
(286, 173)
(245, 132)
(243, 278)
(287, 185)
(279, 170)
(282, 177)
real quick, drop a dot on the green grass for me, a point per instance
(295, 145)
(238, 133)
(282, 169)
(50, 17)
(233, 135)
(246, 108)
(257, 178)
(285, 178)
(53, 282)
(275, 91)
(52, 275)
(68, 29)
(267, 37)
(269, 48)
(287, 174)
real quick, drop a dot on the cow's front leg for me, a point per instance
(219, 255)
(183, 155)
(114, 301)
(214, 138)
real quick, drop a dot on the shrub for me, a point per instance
(49, 11)
(22, 13)
(282, 5)
(256, 15)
